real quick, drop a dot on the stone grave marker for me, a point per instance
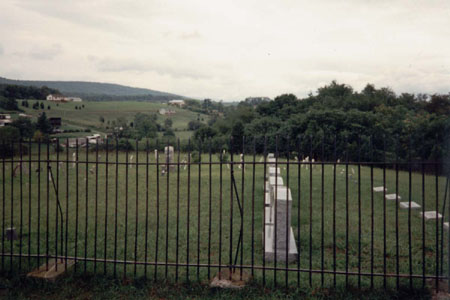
(378, 189)
(431, 215)
(278, 231)
(405, 205)
(393, 197)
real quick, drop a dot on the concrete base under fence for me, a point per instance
(54, 269)
(269, 251)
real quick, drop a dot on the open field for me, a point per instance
(89, 116)
(132, 212)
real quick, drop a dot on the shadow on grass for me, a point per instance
(99, 287)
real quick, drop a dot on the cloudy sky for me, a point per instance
(229, 49)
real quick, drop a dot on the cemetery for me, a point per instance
(118, 213)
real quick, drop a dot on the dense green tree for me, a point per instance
(43, 124)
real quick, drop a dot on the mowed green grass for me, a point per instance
(134, 213)
(89, 116)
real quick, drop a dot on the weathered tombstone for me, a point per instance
(378, 189)
(274, 171)
(431, 215)
(279, 236)
(11, 234)
(393, 197)
(271, 161)
(169, 153)
(405, 205)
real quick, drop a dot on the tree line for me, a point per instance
(336, 123)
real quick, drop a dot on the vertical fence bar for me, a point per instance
(66, 243)
(334, 212)
(384, 212)
(322, 218)
(126, 215)
(76, 203)
(86, 215)
(96, 206)
(47, 214)
(167, 154)
(210, 211)
(423, 226)
(198, 208)
(359, 212)
(188, 210)
(115, 207)
(12, 210)
(276, 214)
(299, 176)
(346, 212)
(231, 208)
(178, 211)
(157, 212)
(409, 214)
(288, 224)
(436, 172)
(372, 215)
(106, 204)
(146, 208)
(310, 208)
(242, 206)
(29, 201)
(264, 211)
(57, 200)
(21, 205)
(39, 204)
(253, 208)
(11, 253)
(397, 261)
(3, 205)
(220, 212)
(136, 210)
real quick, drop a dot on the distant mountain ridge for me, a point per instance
(97, 90)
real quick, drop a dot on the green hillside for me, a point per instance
(97, 90)
(89, 116)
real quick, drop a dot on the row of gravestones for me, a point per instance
(279, 240)
(428, 215)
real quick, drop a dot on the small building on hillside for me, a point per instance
(56, 98)
(5, 120)
(179, 103)
(55, 122)
(61, 98)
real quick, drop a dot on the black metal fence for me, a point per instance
(190, 215)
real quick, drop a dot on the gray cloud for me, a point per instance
(230, 49)
(143, 66)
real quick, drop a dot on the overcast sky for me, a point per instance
(229, 49)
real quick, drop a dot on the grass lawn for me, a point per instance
(127, 215)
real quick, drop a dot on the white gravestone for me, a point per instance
(431, 215)
(393, 197)
(279, 236)
(405, 205)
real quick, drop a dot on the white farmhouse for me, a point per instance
(179, 103)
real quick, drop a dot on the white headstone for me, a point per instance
(379, 189)
(393, 197)
(431, 215)
(405, 205)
